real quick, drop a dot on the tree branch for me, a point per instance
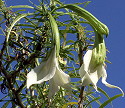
(80, 56)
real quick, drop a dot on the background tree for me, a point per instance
(28, 40)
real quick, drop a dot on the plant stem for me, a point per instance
(80, 56)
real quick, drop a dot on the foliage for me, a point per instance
(27, 33)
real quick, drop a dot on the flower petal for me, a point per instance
(87, 72)
(104, 77)
(60, 79)
(45, 71)
(86, 62)
(92, 77)
(53, 88)
(87, 59)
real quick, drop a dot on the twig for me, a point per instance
(81, 96)
(80, 55)
(9, 80)
(11, 87)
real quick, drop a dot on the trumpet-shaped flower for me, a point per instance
(91, 73)
(49, 70)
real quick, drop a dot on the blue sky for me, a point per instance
(112, 13)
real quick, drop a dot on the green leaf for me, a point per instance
(110, 100)
(108, 61)
(6, 104)
(1, 78)
(1, 3)
(15, 21)
(27, 25)
(102, 91)
(70, 41)
(70, 103)
(95, 99)
(18, 6)
(22, 6)
(87, 2)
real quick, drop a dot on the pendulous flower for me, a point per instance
(91, 73)
(93, 67)
(49, 70)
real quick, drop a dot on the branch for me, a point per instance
(80, 56)
(9, 80)
(81, 97)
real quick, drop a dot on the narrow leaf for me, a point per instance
(95, 99)
(110, 100)
(22, 6)
(18, 6)
(70, 103)
(6, 104)
(102, 91)
(15, 21)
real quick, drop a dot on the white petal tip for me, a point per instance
(113, 86)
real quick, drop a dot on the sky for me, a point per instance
(111, 13)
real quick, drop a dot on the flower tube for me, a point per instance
(49, 70)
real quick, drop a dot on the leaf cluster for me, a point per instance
(27, 40)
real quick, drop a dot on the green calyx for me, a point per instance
(92, 20)
(99, 51)
(55, 34)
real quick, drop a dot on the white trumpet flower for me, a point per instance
(49, 71)
(91, 74)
